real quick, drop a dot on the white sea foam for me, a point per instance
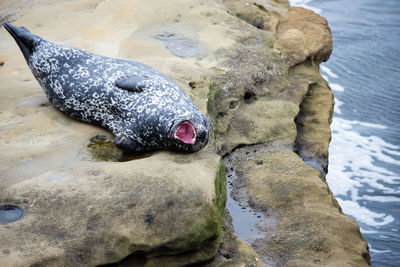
(338, 103)
(368, 231)
(382, 199)
(363, 214)
(303, 3)
(336, 87)
(328, 71)
(378, 251)
(353, 164)
(371, 125)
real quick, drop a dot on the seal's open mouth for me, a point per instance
(186, 133)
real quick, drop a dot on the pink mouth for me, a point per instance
(186, 133)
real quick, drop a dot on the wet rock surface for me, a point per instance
(253, 67)
(181, 46)
(311, 228)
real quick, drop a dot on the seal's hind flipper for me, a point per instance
(24, 38)
(133, 83)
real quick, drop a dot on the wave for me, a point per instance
(303, 3)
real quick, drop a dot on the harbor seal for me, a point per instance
(142, 107)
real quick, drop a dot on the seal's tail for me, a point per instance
(24, 38)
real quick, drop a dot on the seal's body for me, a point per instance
(143, 108)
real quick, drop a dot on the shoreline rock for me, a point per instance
(253, 66)
(259, 124)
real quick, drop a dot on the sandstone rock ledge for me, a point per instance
(252, 66)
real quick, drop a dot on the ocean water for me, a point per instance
(364, 74)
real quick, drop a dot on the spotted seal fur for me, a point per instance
(143, 108)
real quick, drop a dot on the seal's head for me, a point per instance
(189, 134)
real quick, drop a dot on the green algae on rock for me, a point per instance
(220, 191)
(103, 148)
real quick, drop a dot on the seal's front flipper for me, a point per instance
(123, 142)
(127, 144)
(134, 83)
(24, 38)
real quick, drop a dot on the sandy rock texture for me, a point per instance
(253, 67)
(100, 213)
(309, 31)
(84, 204)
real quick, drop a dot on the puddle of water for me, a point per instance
(102, 148)
(252, 225)
(179, 39)
(244, 218)
(10, 213)
(181, 46)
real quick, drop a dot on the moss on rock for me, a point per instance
(220, 191)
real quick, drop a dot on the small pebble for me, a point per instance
(259, 161)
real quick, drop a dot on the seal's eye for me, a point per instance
(186, 133)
